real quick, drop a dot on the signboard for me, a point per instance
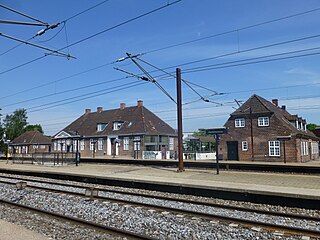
(214, 131)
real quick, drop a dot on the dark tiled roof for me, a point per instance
(31, 137)
(260, 105)
(136, 120)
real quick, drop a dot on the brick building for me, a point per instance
(30, 142)
(127, 131)
(262, 131)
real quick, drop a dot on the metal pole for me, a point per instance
(284, 152)
(217, 153)
(179, 115)
(251, 132)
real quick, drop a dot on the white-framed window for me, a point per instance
(101, 126)
(263, 121)
(314, 148)
(92, 143)
(244, 145)
(171, 143)
(136, 143)
(75, 145)
(304, 148)
(100, 144)
(55, 146)
(239, 122)
(126, 143)
(82, 145)
(59, 145)
(117, 125)
(274, 148)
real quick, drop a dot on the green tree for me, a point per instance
(36, 127)
(15, 123)
(312, 126)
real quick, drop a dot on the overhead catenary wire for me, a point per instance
(150, 78)
(188, 63)
(23, 14)
(63, 92)
(95, 35)
(62, 22)
(82, 97)
(36, 45)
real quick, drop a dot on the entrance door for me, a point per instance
(233, 150)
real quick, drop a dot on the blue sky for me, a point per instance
(294, 81)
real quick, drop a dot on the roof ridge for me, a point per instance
(34, 134)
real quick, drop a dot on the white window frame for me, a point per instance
(82, 145)
(274, 149)
(117, 125)
(100, 144)
(244, 145)
(101, 126)
(55, 146)
(126, 143)
(92, 144)
(263, 121)
(171, 144)
(239, 122)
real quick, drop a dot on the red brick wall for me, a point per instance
(261, 137)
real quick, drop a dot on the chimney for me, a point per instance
(140, 103)
(122, 106)
(283, 107)
(99, 109)
(275, 102)
(88, 110)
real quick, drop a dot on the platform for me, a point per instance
(275, 184)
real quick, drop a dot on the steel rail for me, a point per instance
(272, 226)
(208, 204)
(102, 227)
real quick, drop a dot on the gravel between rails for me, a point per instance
(162, 225)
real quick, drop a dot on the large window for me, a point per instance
(100, 144)
(126, 143)
(263, 121)
(171, 143)
(82, 145)
(239, 122)
(274, 148)
(244, 145)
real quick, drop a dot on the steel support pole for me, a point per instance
(179, 116)
(217, 154)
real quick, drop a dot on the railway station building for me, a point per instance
(260, 130)
(133, 132)
(30, 142)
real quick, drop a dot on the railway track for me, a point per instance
(232, 214)
(89, 224)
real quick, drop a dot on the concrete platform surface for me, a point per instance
(292, 185)
(11, 231)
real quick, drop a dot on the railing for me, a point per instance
(53, 159)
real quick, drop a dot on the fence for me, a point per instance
(53, 159)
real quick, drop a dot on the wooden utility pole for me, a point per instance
(179, 116)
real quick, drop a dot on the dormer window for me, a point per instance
(117, 125)
(239, 122)
(263, 121)
(101, 126)
(129, 124)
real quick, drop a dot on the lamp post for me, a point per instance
(6, 141)
(77, 139)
